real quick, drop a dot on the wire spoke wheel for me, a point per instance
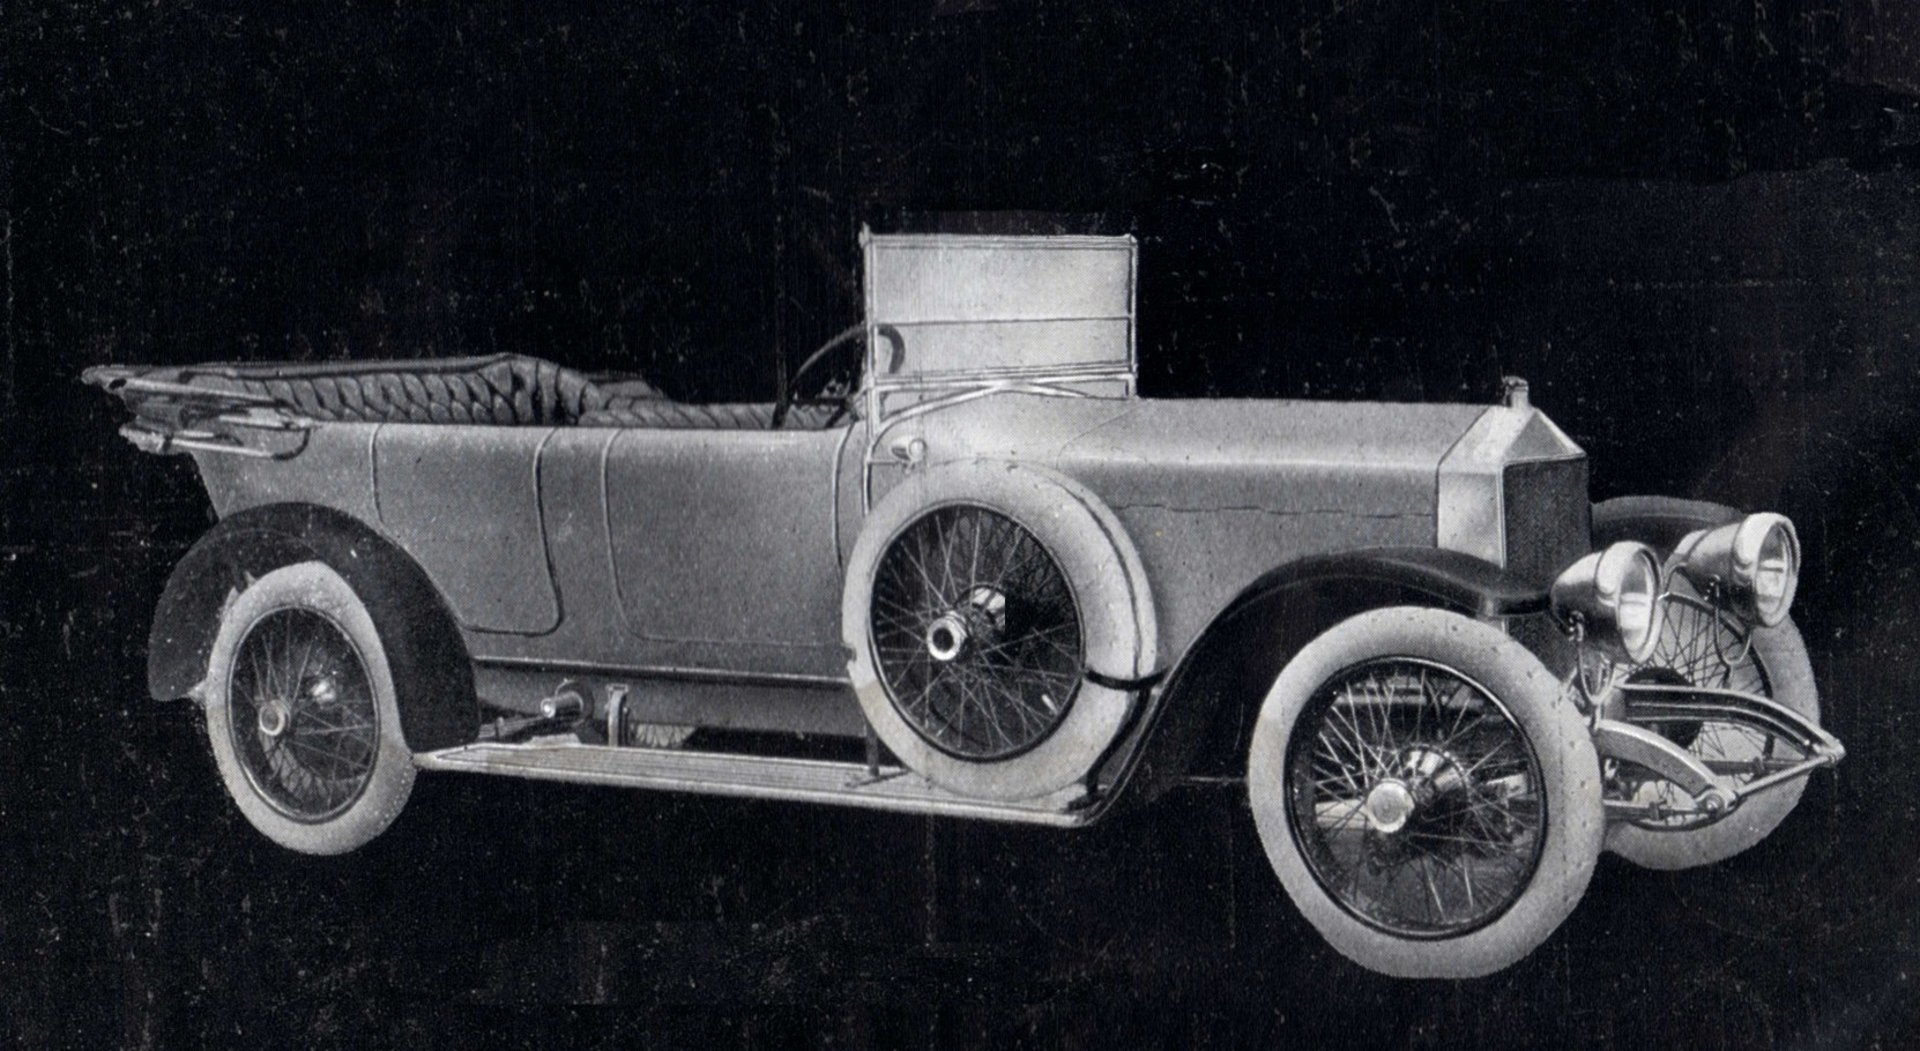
(976, 633)
(1416, 798)
(1699, 646)
(304, 724)
(1429, 802)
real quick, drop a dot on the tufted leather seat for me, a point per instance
(507, 389)
(735, 416)
(504, 389)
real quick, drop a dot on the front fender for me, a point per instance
(1657, 520)
(1210, 697)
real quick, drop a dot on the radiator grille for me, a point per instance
(1548, 519)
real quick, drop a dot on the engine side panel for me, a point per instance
(1201, 560)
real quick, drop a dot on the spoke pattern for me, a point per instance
(1473, 838)
(312, 755)
(1702, 647)
(1019, 666)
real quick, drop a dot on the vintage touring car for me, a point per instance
(999, 585)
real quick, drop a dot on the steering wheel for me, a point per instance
(836, 394)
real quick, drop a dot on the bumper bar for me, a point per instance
(1712, 785)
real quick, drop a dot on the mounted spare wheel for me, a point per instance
(995, 614)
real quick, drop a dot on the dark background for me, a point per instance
(1694, 226)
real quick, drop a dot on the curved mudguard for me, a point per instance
(1657, 520)
(1216, 687)
(1470, 584)
(411, 617)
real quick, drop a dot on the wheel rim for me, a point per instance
(1699, 646)
(301, 714)
(976, 633)
(1415, 798)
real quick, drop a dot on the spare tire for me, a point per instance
(995, 615)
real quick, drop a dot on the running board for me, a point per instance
(753, 777)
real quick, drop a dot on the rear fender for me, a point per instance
(440, 709)
(1213, 693)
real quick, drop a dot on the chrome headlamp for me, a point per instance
(1614, 595)
(1754, 563)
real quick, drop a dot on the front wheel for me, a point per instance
(1701, 646)
(302, 714)
(1430, 802)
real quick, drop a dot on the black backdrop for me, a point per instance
(1695, 228)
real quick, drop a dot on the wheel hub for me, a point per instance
(982, 613)
(1388, 806)
(274, 717)
(947, 636)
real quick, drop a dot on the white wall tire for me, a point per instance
(302, 713)
(1777, 667)
(1531, 814)
(1061, 729)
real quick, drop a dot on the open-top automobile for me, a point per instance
(960, 567)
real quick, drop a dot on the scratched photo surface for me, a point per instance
(1694, 228)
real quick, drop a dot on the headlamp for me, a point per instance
(1614, 595)
(1754, 563)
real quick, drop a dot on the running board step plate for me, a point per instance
(754, 777)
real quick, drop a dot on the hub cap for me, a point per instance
(273, 718)
(947, 637)
(1388, 806)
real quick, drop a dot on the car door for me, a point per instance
(465, 502)
(725, 545)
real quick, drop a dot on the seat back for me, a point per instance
(504, 389)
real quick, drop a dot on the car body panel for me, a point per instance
(333, 469)
(739, 535)
(465, 501)
(726, 540)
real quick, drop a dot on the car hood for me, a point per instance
(1287, 456)
(1332, 456)
(1215, 492)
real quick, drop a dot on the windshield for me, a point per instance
(951, 307)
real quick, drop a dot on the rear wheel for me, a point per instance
(1430, 803)
(302, 713)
